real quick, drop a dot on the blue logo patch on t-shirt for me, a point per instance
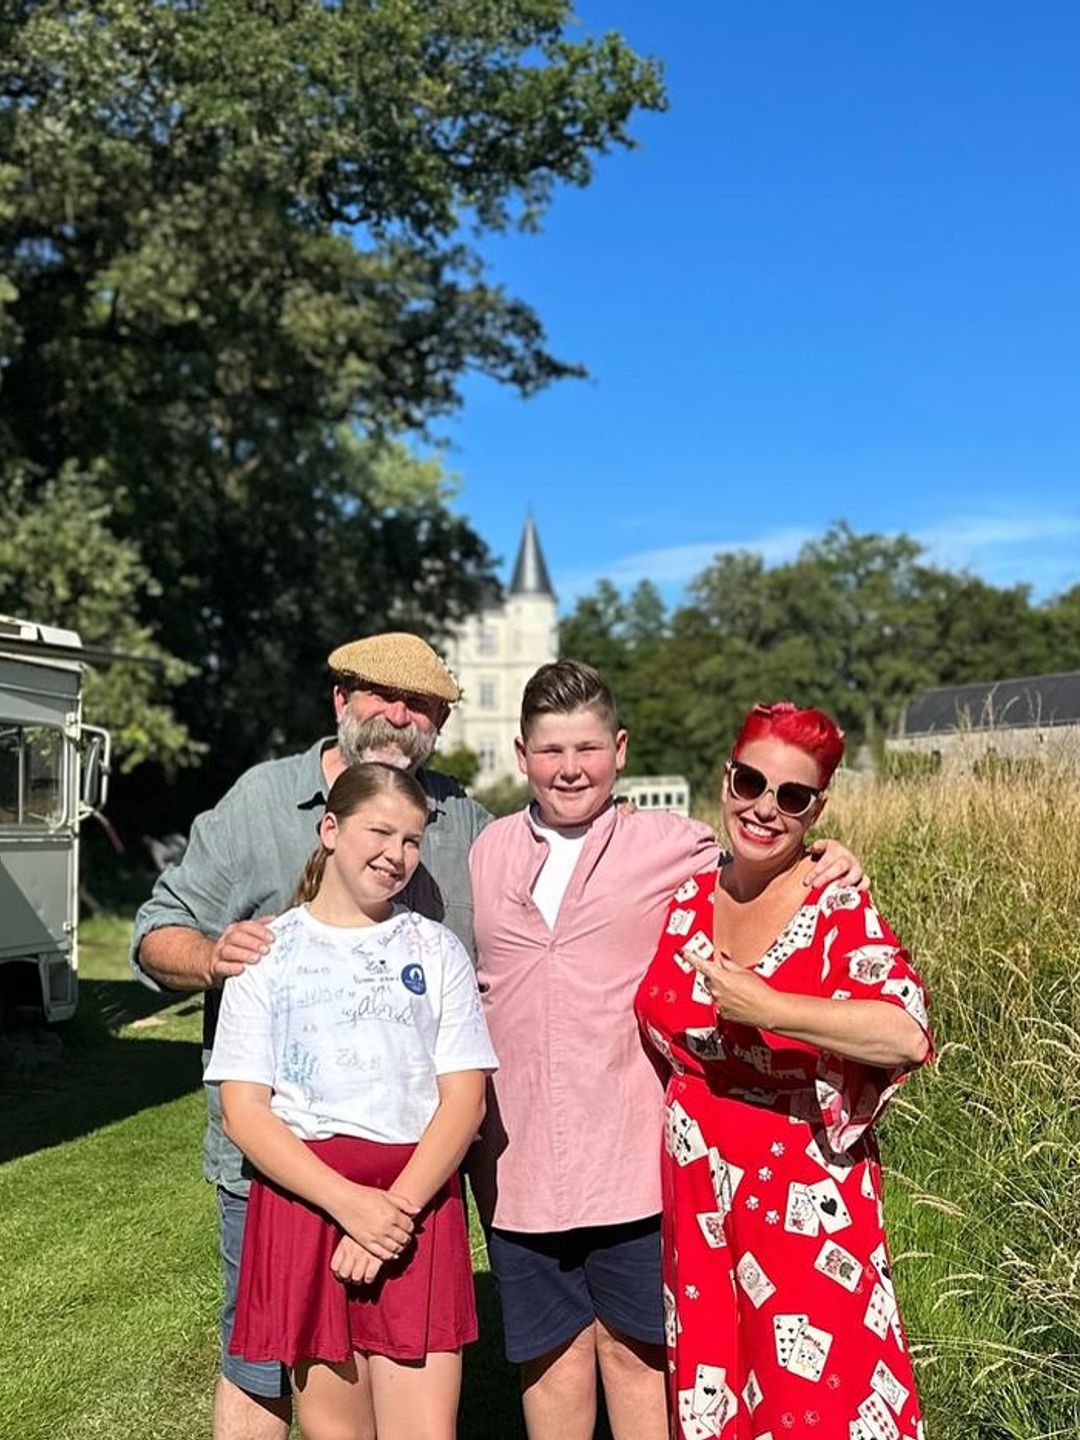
(412, 977)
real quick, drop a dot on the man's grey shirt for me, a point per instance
(245, 857)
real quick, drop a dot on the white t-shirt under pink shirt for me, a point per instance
(564, 848)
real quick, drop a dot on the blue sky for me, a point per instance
(840, 279)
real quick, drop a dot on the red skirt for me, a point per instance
(291, 1307)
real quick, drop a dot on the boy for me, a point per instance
(570, 896)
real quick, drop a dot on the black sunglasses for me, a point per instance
(792, 798)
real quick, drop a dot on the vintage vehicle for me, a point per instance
(53, 774)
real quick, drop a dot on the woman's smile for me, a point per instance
(755, 832)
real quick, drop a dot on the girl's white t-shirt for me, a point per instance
(351, 1027)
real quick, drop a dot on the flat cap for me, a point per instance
(398, 661)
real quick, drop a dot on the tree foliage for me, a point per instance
(58, 559)
(238, 255)
(856, 624)
(505, 797)
(461, 763)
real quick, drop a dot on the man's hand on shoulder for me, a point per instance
(181, 958)
(239, 945)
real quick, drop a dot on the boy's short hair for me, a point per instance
(561, 688)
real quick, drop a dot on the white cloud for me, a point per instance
(675, 565)
(1004, 549)
(1039, 550)
(975, 530)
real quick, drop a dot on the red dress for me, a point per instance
(779, 1307)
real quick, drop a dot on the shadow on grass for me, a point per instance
(490, 1397)
(106, 1005)
(490, 1400)
(62, 1082)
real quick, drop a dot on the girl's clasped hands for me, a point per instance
(378, 1225)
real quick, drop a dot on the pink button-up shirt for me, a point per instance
(572, 1135)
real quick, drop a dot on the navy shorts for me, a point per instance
(553, 1286)
(266, 1379)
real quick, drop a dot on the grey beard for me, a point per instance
(376, 739)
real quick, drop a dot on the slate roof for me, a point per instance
(530, 571)
(1024, 703)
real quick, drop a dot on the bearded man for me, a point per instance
(204, 920)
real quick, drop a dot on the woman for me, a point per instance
(785, 1020)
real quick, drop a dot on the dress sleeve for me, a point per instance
(862, 960)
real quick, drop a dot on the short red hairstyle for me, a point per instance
(811, 731)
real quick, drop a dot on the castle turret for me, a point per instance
(530, 569)
(494, 653)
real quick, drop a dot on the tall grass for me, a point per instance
(981, 878)
(109, 1292)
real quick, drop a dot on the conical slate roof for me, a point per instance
(530, 569)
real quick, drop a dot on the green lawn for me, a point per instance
(108, 1308)
(110, 1290)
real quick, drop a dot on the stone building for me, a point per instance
(493, 654)
(959, 725)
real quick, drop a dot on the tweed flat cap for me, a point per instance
(399, 661)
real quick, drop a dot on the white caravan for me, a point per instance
(53, 774)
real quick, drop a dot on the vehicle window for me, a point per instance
(31, 776)
(44, 799)
(10, 761)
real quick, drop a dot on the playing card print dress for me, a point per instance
(780, 1313)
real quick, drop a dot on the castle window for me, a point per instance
(487, 694)
(486, 752)
(488, 641)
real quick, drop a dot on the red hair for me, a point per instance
(811, 731)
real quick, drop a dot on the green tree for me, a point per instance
(730, 597)
(504, 797)
(645, 617)
(1061, 618)
(856, 624)
(854, 597)
(626, 641)
(970, 630)
(239, 248)
(644, 632)
(842, 626)
(60, 563)
(461, 763)
(594, 632)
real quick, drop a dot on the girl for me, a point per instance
(352, 1063)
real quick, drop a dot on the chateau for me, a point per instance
(493, 654)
